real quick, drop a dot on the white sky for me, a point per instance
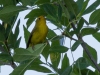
(6, 70)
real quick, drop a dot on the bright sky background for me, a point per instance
(6, 70)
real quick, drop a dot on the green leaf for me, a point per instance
(53, 21)
(2, 38)
(8, 13)
(51, 34)
(80, 25)
(39, 68)
(17, 29)
(75, 45)
(59, 12)
(28, 2)
(49, 9)
(25, 54)
(65, 63)
(5, 3)
(83, 8)
(11, 8)
(88, 31)
(59, 49)
(82, 63)
(67, 71)
(4, 57)
(33, 14)
(92, 52)
(22, 54)
(55, 60)
(20, 69)
(94, 17)
(38, 2)
(12, 40)
(45, 52)
(17, 43)
(80, 4)
(37, 50)
(26, 34)
(97, 36)
(71, 6)
(92, 7)
(64, 21)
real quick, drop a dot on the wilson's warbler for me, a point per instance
(39, 32)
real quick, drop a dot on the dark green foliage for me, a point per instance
(61, 13)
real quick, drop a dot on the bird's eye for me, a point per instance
(39, 18)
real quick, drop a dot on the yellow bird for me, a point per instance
(39, 32)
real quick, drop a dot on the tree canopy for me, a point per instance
(68, 17)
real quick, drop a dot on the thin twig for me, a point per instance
(69, 36)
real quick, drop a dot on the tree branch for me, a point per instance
(86, 49)
(13, 65)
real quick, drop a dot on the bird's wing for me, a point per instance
(30, 37)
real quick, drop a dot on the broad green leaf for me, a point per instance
(22, 54)
(59, 12)
(33, 14)
(83, 8)
(2, 37)
(55, 43)
(26, 34)
(17, 43)
(64, 21)
(88, 31)
(92, 7)
(16, 33)
(75, 45)
(80, 25)
(51, 34)
(71, 6)
(8, 13)
(39, 68)
(92, 52)
(67, 71)
(38, 2)
(19, 70)
(6, 3)
(82, 63)
(49, 9)
(97, 36)
(12, 40)
(65, 63)
(11, 8)
(4, 57)
(94, 17)
(54, 21)
(37, 49)
(45, 52)
(80, 4)
(55, 59)
(25, 54)
(59, 49)
(28, 2)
